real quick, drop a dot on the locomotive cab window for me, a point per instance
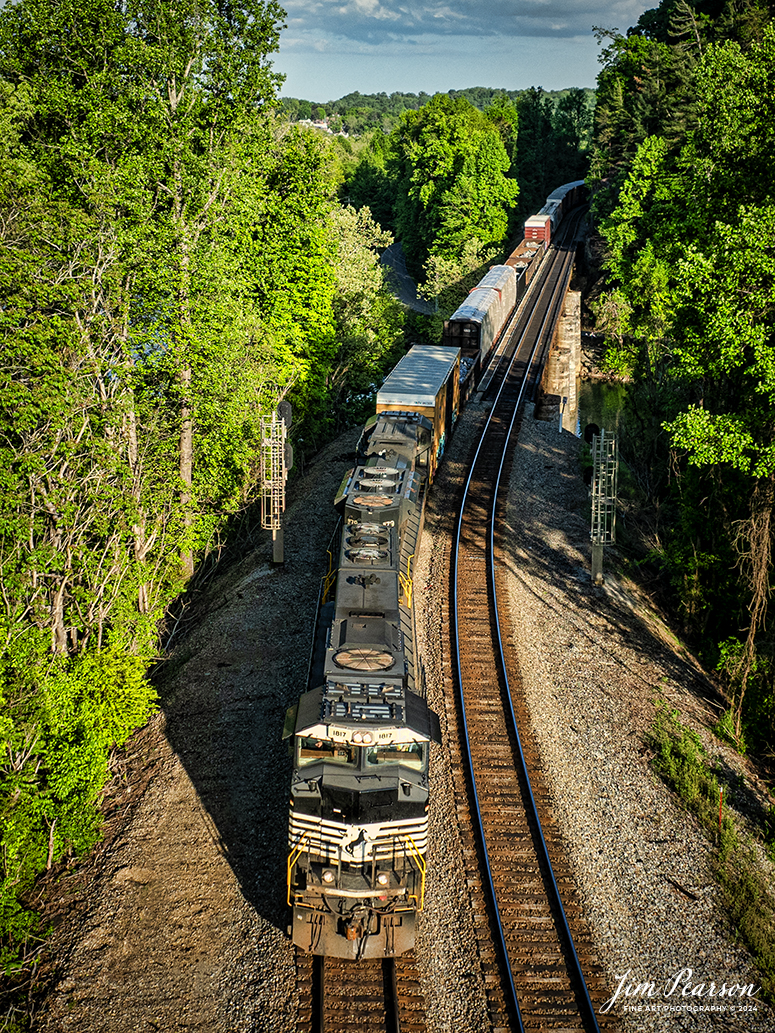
(410, 755)
(312, 750)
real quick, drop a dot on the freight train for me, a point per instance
(361, 734)
(476, 325)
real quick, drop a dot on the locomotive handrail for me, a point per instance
(329, 577)
(293, 857)
(422, 867)
(406, 581)
(320, 603)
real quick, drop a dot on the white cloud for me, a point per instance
(332, 47)
(373, 19)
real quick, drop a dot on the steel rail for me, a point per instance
(342, 995)
(586, 1001)
(532, 292)
(514, 999)
(521, 310)
(392, 1010)
(558, 294)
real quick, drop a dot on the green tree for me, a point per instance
(371, 182)
(691, 243)
(536, 154)
(572, 125)
(369, 321)
(452, 182)
(147, 201)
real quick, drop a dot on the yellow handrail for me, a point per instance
(329, 577)
(406, 581)
(421, 866)
(292, 859)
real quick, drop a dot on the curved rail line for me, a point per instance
(373, 996)
(385, 996)
(543, 977)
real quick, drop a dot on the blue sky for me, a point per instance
(332, 47)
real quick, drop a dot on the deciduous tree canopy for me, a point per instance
(452, 179)
(691, 260)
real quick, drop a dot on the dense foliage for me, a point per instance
(357, 113)
(173, 262)
(552, 145)
(177, 256)
(450, 166)
(686, 128)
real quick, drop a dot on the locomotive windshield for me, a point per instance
(312, 750)
(410, 754)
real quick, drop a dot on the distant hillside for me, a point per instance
(358, 112)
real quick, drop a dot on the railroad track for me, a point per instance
(372, 996)
(537, 313)
(527, 914)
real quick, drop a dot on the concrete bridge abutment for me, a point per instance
(558, 391)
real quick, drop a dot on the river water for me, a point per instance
(600, 402)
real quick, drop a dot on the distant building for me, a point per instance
(321, 124)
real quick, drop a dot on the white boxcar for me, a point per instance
(477, 323)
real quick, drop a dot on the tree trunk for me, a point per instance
(186, 466)
(754, 543)
(186, 447)
(140, 542)
(58, 631)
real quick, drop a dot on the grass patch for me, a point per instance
(724, 729)
(681, 760)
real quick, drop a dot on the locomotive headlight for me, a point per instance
(328, 876)
(383, 879)
(368, 737)
(358, 737)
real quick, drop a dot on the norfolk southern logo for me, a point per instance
(681, 992)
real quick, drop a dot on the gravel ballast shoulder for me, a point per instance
(594, 661)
